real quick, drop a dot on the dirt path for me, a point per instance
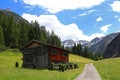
(89, 73)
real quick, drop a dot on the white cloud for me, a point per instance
(65, 32)
(29, 8)
(117, 17)
(105, 28)
(116, 6)
(99, 19)
(86, 13)
(73, 17)
(15, 0)
(118, 31)
(54, 6)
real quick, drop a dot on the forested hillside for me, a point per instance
(16, 31)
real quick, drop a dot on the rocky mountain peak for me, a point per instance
(113, 48)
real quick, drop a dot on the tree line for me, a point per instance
(15, 34)
(78, 50)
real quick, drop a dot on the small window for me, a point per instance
(54, 51)
(64, 54)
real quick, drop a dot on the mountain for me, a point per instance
(68, 43)
(101, 45)
(95, 40)
(8, 13)
(113, 49)
(92, 42)
(82, 42)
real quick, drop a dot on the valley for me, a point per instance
(107, 68)
(15, 32)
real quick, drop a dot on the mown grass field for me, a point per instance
(109, 69)
(9, 72)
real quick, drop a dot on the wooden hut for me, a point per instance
(40, 55)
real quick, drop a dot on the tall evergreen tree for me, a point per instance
(1, 38)
(74, 49)
(79, 49)
(54, 40)
(14, 34)
(36, 30)
(6, 30)
(30, 33)
(23, 33)
(43, 34)
(86, 52)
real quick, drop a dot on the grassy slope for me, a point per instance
(9, 72)
(109, 69)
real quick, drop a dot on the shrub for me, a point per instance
(75, 66)
(63, 66)
(16, 64)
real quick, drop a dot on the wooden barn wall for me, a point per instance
(41, 58)
(40, 55)
(58, 56)
(28, 57)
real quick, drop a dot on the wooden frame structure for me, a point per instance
(40, 55)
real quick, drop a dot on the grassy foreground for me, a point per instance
(109, 69)
(9, 72)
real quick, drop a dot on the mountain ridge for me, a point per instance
(113, 49)
(97, 45)
(9, 13)
(100, 47)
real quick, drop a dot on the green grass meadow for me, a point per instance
(9, 72)
(109, 69)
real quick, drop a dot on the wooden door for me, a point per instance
(42, 57)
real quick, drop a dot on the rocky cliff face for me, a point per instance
(68, 43)
(113, 49)
(100, 47)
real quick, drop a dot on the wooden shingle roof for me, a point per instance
(36, 41)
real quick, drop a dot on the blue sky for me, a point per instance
(70, 19)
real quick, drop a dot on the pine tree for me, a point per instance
(36, 29)
(14, 35)
(1, 38)
(23, 39)
(43, 34)
(86, 52)
(54, 40)
(30, 33)
(74, 49)
(6, 30)
(79, 49)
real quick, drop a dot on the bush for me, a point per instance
(75, 66)
(97, 56)
(16, 64)
(63, 66)
(54, 66)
